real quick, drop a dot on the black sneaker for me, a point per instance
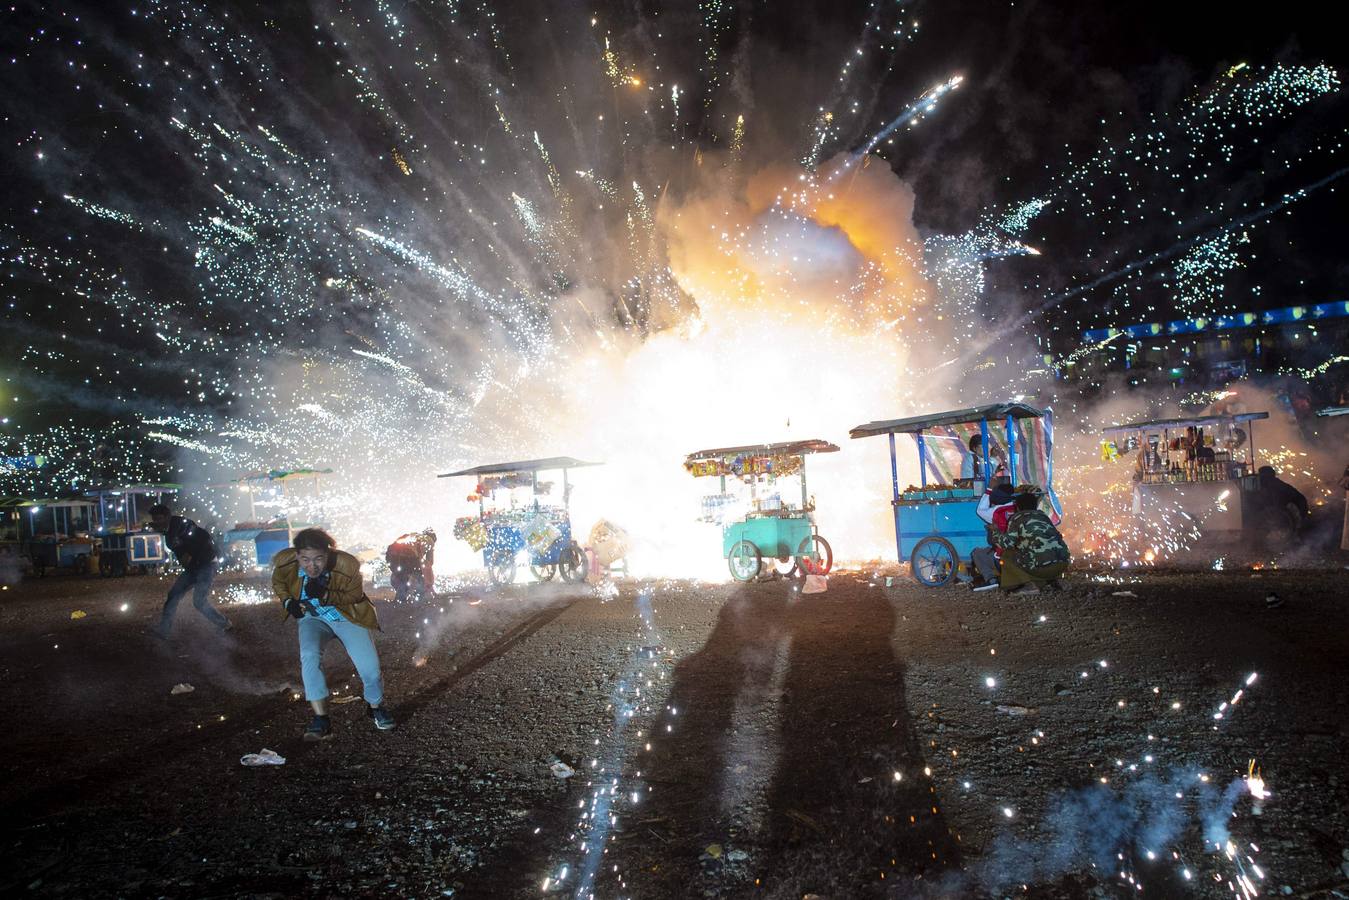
(383, 720)
(319, 729)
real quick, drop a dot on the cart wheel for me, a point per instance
(571, 563)
(745, 561)
(933, 562)
(502, 568)
(785, 568)
(544, 572)
(81, 564)
(820, 553)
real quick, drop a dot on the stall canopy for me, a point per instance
(526, 465)
(945, 439)
(1196, 421)
(973, 415)
(786, 448)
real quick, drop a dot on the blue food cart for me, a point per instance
(936, 526)
(542, 530)
(285, 495)
(770, 528)
(53, 534)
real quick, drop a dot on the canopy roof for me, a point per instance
(786, 448)
(1333, 411)
(525, 465)
(954, 417)
(1196, 421)
(23, 502)
(283, 474)
(134, 489)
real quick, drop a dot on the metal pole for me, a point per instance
(803, 484)
(894, 507)
(1011, 450)
(894, 468)
(566, 491)
(1251, 426)
(922, 460)
(984, 437)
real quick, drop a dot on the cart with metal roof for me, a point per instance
(1198, 471)
(541, 530)
(770, 528)
(286, 499)
(127, 545)
(936, 524)
(53, 534)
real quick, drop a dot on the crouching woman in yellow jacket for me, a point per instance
(321, 587)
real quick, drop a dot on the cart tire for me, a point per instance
(501, 570)
(571, 563)
(81, 564)
(745, 561)
(544, 572)
(821, 553)
(934, 562)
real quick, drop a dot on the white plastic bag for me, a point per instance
(815, 584)
(265, 758)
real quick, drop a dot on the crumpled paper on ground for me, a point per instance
(265, 758)
(182, 688)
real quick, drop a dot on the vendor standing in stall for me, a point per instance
(322, 588)
(195, 551)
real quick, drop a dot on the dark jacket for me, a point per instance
(191, 543)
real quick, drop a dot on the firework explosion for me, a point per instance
(440, 257)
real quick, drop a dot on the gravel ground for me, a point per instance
(722, 740)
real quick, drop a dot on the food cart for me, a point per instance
(502, 533)
(280, 493)
(127, 545)
(52, 534)
(936, 526)
(1200, 470)
(766, 526)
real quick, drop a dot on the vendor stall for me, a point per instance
(936, 526)
(280, 503)
(764, 525)
(129, 546)
(52, 534)
(1198, 472)
(504, 527)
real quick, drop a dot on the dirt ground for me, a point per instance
(724, 741)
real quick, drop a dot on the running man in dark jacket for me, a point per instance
(196, 553)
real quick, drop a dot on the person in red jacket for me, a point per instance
(995, 508)
(411, 559)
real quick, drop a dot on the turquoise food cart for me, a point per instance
(936, 525)
(765, 526)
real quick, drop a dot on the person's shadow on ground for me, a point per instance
(779, 773)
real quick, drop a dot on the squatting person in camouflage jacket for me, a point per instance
(1033, 551)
